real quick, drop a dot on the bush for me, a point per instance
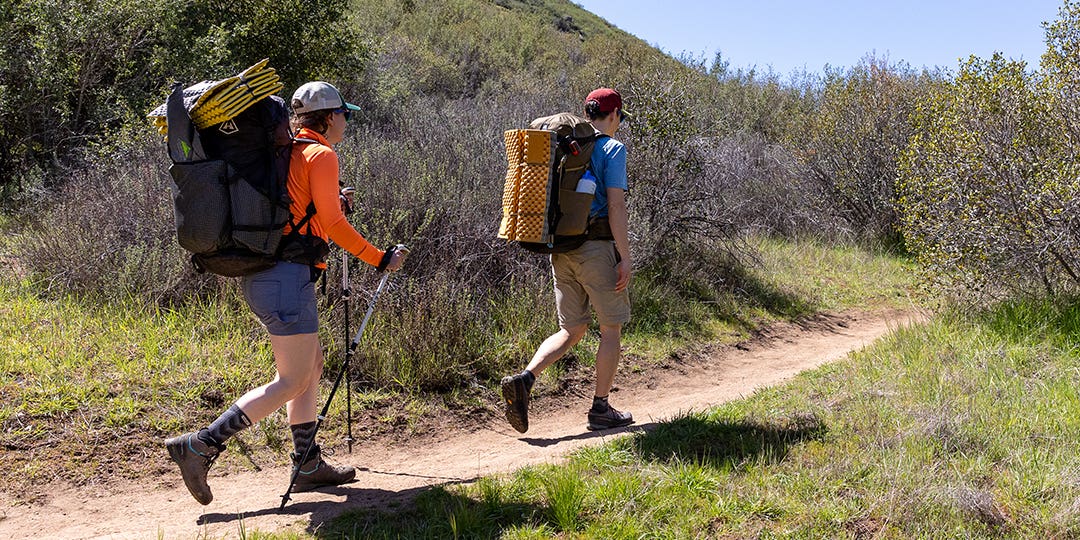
(855, 138)
(73, 71)
(109, 232)
(989, 196)
(69, 69)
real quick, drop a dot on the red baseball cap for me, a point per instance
(608, 99)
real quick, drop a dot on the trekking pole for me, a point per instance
(346, 292)
(337, 380)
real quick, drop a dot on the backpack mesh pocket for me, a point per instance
(201, 207)
(257, 222)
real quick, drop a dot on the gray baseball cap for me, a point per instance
(317, 96)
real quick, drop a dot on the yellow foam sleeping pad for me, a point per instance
(212, 102)
(526, 190)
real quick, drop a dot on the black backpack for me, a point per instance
(230, 192)
(544, 208)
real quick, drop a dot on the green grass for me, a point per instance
(785, 280)
(76, 373)
(966, 426)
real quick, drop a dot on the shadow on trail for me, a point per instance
(321, 512)
(696, 438)
(543, 442)
(437, 513)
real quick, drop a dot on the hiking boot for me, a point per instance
(516, 396)
(194, 458)
(611, 418)
(316, 473)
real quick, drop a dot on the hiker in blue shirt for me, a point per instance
(596, 273)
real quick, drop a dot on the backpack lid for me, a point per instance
(566, 125)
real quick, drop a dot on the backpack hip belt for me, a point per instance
(599, 229)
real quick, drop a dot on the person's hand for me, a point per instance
(397, 258)
(624, 274)
(348, 195)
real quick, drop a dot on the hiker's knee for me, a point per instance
(574, 333)
(613, 331)
(293, 385)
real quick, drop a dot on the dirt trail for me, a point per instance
(162, 508)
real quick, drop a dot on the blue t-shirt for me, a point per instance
(608, 163)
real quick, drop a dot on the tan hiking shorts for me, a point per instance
(587, 275)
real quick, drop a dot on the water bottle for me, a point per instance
(587, 184)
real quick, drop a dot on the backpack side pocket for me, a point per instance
(201, 204)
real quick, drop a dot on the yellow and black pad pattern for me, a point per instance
(530, 155)
(212, 102)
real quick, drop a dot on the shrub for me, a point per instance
(109, 232)
(989, 202)
(855, 138)
(72, 71)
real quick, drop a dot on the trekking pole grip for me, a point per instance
(403, 250)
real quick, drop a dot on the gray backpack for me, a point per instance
(230, 192)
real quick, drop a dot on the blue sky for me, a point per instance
(791, 35)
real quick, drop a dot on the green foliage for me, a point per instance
(110, 372)
(1061, 79)
(303, 40)
(565, 493)
(73, 71)
(462, 48)
(989, 196)
(749, 100)
(67, 70)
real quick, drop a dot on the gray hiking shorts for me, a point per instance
(283, 297)
(587, 275)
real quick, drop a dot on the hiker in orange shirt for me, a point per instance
(283, 297)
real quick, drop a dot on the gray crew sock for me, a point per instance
(228, 424)
(600, 405)
(529, 380)
(303, 435)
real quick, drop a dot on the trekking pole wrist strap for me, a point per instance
(385, 261)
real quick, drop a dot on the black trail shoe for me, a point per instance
(194, 458)
(316, 473)
(609, 419)
(517, 402)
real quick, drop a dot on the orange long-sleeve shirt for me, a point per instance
(313, 177)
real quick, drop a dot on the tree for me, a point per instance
(856, 137)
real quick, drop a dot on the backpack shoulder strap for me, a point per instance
(309, 212)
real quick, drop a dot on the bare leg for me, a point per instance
(607, 358)
(555, 347)
(299, 362)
